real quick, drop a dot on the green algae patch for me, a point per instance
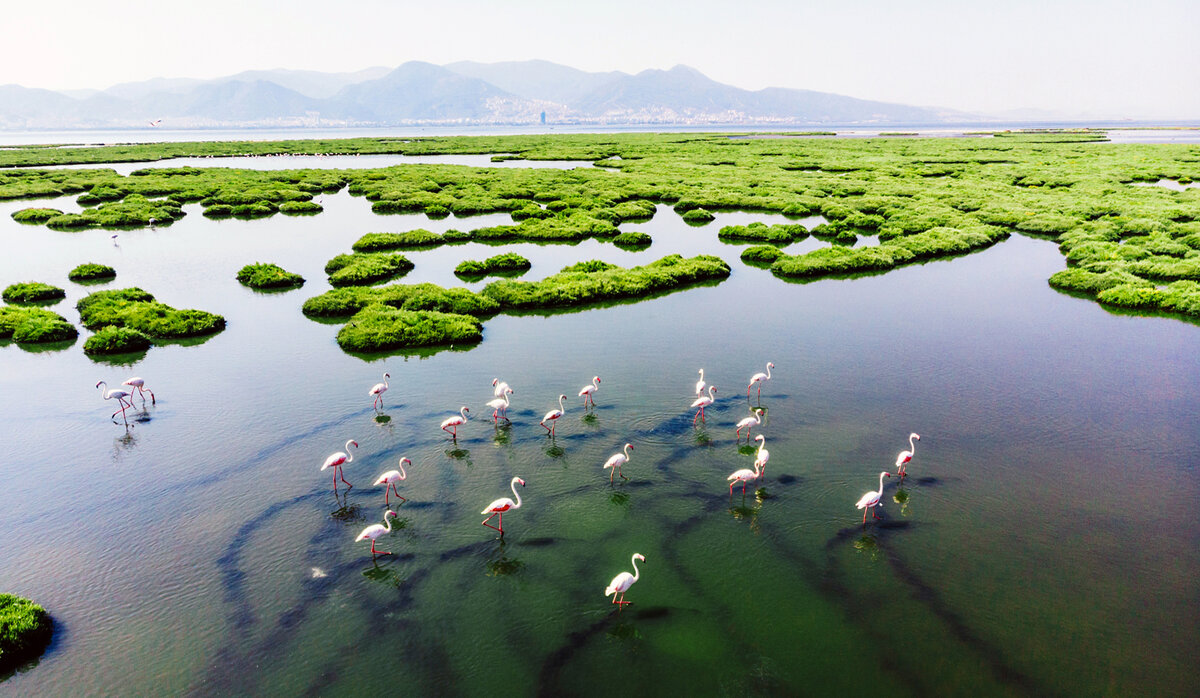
(931, 244)
(116, 340)
(761, 255)
(34, 326)
(134, 211)
(698, 216)
(632, 240)
(136, 309)
(588, 267)
(411, 240)
(364, 268)
(575, 288)
(25, 631)
(300, 208)
(35, 216)
(381, 327)
(262, 275)
(344, 302)
(92, 272)
(778, 234)
(506, 263)
(32, 292)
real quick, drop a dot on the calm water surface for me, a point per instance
(1045, 543)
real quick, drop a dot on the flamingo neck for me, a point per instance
(712, 393)
(513, 486)
(881, 484)
(636, 573)
(560, 404)
(463, 412)
(403, 473)
(385, 380)
(387, 523)
(627, 447)
(349, 454)
(912, 447)
(768, 371)
(762, 443)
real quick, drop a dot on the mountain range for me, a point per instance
(463, 93)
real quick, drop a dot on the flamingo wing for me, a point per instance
(620, 583)
(502, 504)
(334, 460)
(868, 500)
(373, 531)
(387, 477)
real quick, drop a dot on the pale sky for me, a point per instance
(1105, 58)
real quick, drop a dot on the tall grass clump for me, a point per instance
(500, 264)
(116, 340)
(344, 302)
(34, 325)
(411, 240)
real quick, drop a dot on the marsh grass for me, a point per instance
(380, 327)
(345, 302)
(91, 271)
(364, 268)
(32, 292)
(116, 340)
(25, 631)
(411, 240)
(507, 263)
(262, 275)
(136, 309)
(26, 325)
(632, 240)
(35, 216)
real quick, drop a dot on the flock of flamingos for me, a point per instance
(499, 406)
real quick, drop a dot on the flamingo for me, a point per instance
(752, 421)
(498, 507)
(763, 455)
(700, 383)
(390, 478)
(554, 415)
(137, 382)
(379, 389)
(500, 405)
(374, 531)
(621, 583)
(455, 421)
(616, 460)
(703, 402)
(759, 378)
(120, 396)
(745, 475)
(871, 499)
(337, 460)
(499, 387)
(587, 391)
(905, 456)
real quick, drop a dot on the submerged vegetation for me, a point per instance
(25, 630)
(135, 309)
(32, 292)
(261, 275)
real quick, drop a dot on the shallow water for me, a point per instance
(1044, 542)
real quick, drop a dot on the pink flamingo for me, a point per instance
(744, 475)
(759, 378)
(616, 460)
(763, 455)
(500, 406)
(553, 415)
(379, 389)
(700, 383)
(374, 531)
(703, 402)
(905, 456)
(137, 382)
(337, 460)
(120, 396)
(588, 392)
(455, 421)
(498, 507)
(748, 422)
(621, 583)
(871, 499)
(390, 478)
(499, 387)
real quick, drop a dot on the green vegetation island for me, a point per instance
(25, 631)
(1136, 248)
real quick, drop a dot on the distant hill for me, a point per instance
(459, 93)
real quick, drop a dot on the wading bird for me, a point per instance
(337, 460)
(137, 382)
(702, 402)
(700, 383)
(120, 396)
(499, 387)
(759, 378)
(390, 478)
(752, 421)
(763, 455)
(379, 389)
(616, 460)
(588, 391)
(553, 415)
(743, 476)
(872, 499)
(905, 456)
(500, 406)
(374, 531)
(498, 507)
(621, 583)
(455, 421)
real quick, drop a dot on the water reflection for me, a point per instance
(383, 575)
(123, 444)
(619, 498)
(867, 544)
(500, 564)
(459, 454)
(901, 498)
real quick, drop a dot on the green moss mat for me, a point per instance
(25, 630)
(261, 275)
(135, 309)
(32, 292)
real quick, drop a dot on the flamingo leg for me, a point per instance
(343, 476)
(622, 602)
(621, 473)
(335, 480)
(403, 499)
(874, 514)
(864, 517)
(500, 522)
(153, 401)
(375, 552)
(610, 476)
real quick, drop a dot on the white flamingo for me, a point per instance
(744, 475)
(379, 389)
(872, 499)
(455, 421)
(498, 507)
(554, 415)
(616, 460)
(905, 456)
(390, 478)
(702, 402)
(120, 396)
(499, 387)
(763, 455)
(140, 384)
(376, 530)
(337, 460)
(759, 378)
(588, 391)
(621, 583)
(700, 383)
(500, 406)
(751, 421)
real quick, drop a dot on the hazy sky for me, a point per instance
(1102, 58)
